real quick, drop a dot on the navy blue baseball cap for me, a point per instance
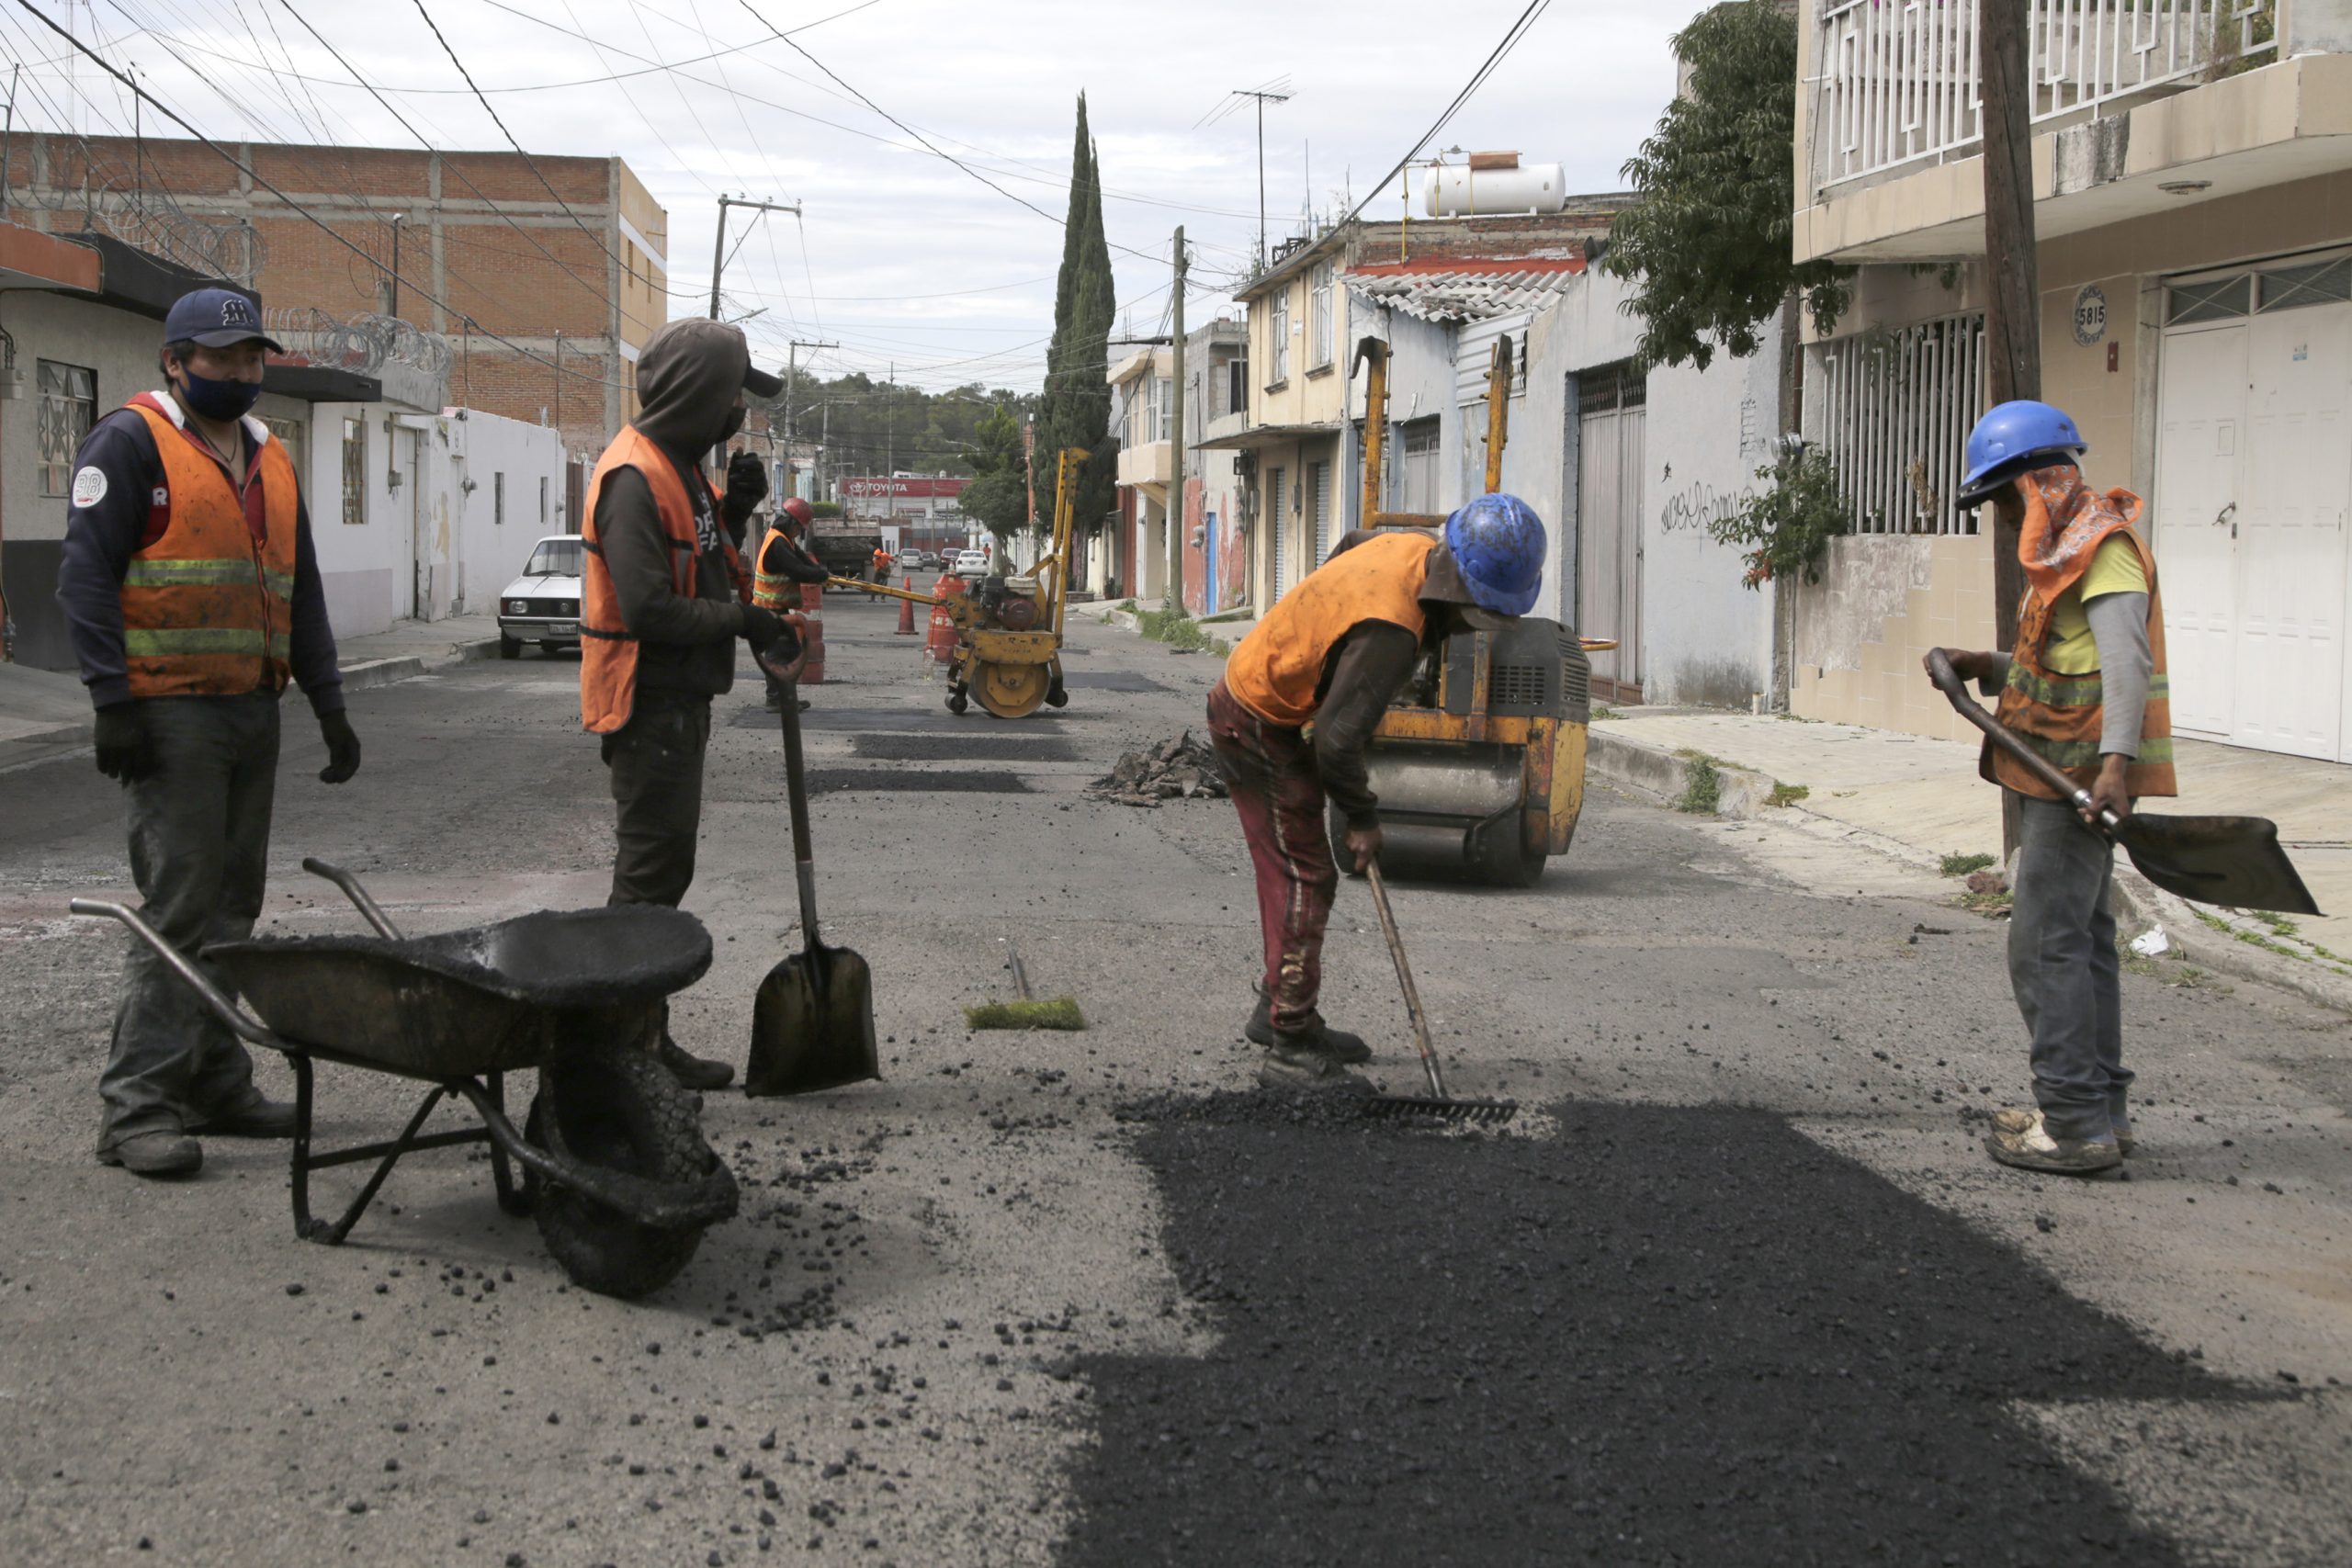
(217, 317)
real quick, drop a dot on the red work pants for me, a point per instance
(1271, 770)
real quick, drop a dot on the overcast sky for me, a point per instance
(901, 255)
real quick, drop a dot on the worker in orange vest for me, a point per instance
(778, 569)
(192, 598)
(1335, 650)
(2086, 687)
(663, 598)
(882, 560)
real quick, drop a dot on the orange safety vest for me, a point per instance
(1278, 669)
(770, 589)
(607, 648)
(207, 609)
(2061, 717)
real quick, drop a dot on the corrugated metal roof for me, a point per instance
(1467, 289)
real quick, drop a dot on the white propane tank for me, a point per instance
(1489, 184)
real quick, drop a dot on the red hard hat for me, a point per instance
(798, 509)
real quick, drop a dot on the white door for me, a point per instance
(2290, 531)
(2202, 419)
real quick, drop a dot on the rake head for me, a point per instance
(1410, 1107)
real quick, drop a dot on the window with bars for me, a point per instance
(1893, 410)
(354, 470)
(1278, 337)
(1619, 386)
(1319, 316)
(1237, 390)
(2285, 287)
(498, 498)
(294, 435)
(69, 406)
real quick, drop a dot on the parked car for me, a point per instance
(913, 560)
(543, 604)
(971, 563)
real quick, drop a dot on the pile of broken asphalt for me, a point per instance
(1173, 770)
(1654, 1335)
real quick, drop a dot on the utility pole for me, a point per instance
(791, 384)
(1176, 509)
(718, 250)
(1263, 97)
(2013, 299)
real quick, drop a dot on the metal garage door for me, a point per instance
(1609, 524)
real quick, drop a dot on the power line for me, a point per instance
(1517, 31)
(297, 207)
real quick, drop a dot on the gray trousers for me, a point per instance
(2065, 970)
(656, 762)
(200, 852)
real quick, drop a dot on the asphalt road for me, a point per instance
(1737, 1285)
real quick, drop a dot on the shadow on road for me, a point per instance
(1660, 1336)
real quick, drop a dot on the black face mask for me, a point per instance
(727, 432)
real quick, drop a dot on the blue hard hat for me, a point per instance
(1497, 542)
(217, 317)
(2007, 442)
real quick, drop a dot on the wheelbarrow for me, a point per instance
(613, 1162)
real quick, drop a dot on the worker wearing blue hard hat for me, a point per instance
(1335, 650)
(2085, 687)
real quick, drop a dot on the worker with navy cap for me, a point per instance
(192, 597)
(1334, 652)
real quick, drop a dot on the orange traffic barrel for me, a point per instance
(941, 644)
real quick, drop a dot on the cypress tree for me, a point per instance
(1075, 409)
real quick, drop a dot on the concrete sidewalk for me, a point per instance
(1922, 800)
(42, 711)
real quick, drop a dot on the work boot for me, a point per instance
(2018, 1138)
(257, 1118)
(1337, 1044)
(1291, 1065)
(160, 1151)
(691, 1071)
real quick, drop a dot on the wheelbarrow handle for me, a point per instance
(352, 890)
(1948, 681)
(242, 1022)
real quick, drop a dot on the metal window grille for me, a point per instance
(1899, 78)
(1319, 497)
(497, 498)
(69, 406)
(354, 471)
(1320, 314)
(1893, 409)
(1619, 386)
(1275, 520)
(1278, 334)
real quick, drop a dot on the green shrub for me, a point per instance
(1962, 866)
(1702, 786)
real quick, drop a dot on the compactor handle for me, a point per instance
(239, 1021)
(359, 896)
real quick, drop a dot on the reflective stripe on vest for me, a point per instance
(2062, 717)
(769, 590)
(207, 611)
(607, 648)
(1277, 670)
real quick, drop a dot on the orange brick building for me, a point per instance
(484, 247)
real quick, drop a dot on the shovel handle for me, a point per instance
(796, 791)
(1405, 980)
(1948, 681)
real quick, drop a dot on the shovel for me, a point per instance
(1437, 1103)
(2235, 862)
(812, 1025)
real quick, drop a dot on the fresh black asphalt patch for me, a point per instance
(964, 748)
(959, 781)
(1659, 1336)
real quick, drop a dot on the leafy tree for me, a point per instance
(1707, 247)
(998, 499)
(1074, 409)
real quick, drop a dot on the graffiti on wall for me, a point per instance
(1696, 506)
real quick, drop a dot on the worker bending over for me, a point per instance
(781, 562)
(192, 598)
(2086, 688)
(663, 598)
(1335, 650)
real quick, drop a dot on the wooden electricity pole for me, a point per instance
(1175, 416)
(2012, 280)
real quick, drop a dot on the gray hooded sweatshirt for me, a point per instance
(687, 379)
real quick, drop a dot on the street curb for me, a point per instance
(2141, 905)
(1740, 793)
(370, 672)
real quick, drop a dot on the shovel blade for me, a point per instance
(2235, 862)
(813, 1024)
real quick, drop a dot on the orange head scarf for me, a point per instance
(2064, 521)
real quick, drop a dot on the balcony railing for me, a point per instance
(1897, 79)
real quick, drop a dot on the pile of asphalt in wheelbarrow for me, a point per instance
(1658, 1335)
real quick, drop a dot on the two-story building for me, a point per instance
(2192, 190)
(1143, 401)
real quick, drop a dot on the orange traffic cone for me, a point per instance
(906, 617)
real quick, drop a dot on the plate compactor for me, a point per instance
(1008, 629)
(1480, 760)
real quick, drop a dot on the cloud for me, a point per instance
(907, 257)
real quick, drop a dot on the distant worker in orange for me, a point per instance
(782, 565)
(881, 564)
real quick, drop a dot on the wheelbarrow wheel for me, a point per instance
(612, 1105)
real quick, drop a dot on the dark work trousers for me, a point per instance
(1269, 768)
(656, 764)
(2063, 967)
(200, 852)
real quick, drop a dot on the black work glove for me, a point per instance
(343, 748)
(123, 751)
(761, 626)
(747, 486)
